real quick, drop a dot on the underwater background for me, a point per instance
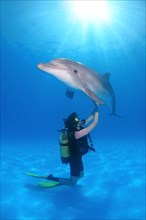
(33, 105)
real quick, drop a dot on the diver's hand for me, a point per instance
(96, 105)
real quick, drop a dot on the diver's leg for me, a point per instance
(81, 169)
(76, 172)
(70, 182)
(81, 174)
(64, 181)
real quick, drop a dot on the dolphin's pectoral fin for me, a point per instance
(69, 93)
(93, 96)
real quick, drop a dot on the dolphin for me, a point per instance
(76, 75)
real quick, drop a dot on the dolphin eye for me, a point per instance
(75, 71)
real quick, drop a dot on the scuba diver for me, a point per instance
(77, 135)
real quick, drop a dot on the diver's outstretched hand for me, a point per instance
(96, 105)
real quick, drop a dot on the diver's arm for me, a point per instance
(87, 130)
(91, 117)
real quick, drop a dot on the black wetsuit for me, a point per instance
(76, 164)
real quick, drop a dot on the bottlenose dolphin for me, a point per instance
(78, 76)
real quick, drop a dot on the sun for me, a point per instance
(91, 11)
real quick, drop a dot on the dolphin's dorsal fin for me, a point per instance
(106, 76)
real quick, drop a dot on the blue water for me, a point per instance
(33, 105)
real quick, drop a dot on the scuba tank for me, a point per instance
(64, 146)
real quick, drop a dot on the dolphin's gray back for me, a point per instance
(94, 80)
(100, 84)
(86, 78)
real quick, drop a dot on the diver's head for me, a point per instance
(73, 122)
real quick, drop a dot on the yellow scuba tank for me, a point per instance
(64, 146)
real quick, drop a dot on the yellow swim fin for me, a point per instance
(35, 175)
(48, 184)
